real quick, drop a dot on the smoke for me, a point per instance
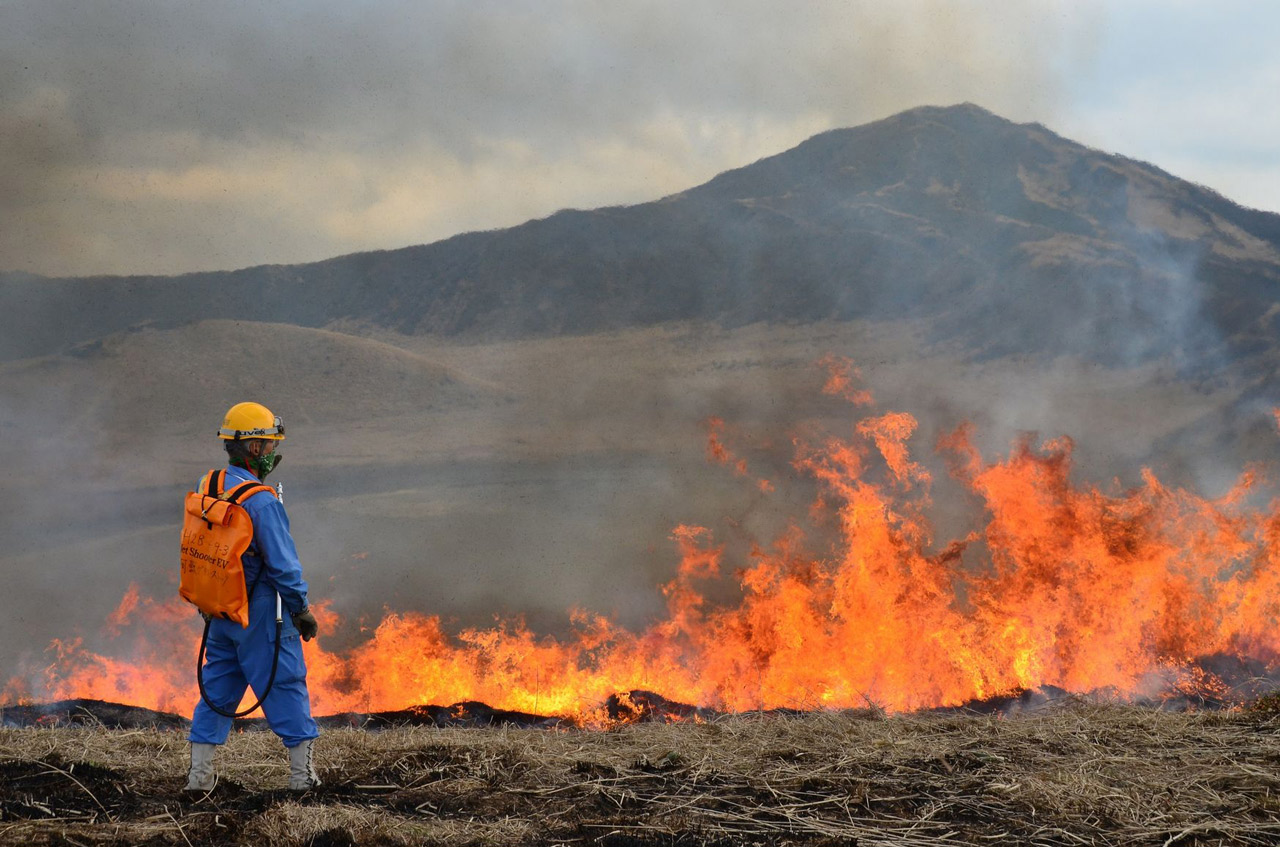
(553, 481)
(153, 138)
(49, 561)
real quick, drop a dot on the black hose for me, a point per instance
(275, 660)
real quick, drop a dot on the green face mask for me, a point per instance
(264, 465)
(261, 466)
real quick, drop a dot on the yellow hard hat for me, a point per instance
(251, 420)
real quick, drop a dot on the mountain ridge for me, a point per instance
(947, 212)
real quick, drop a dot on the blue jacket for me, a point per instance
(272, 542)
(236, 657)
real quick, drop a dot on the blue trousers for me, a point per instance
(236, 658)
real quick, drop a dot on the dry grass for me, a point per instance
(1076, 775)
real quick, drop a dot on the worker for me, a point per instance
(236, 656)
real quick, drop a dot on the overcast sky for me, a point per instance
(151, 136)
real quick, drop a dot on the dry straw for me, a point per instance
(1077, 774)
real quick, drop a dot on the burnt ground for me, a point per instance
(633, 706)
(1072, 774)
(1242, 682)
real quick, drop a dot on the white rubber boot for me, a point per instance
(201, 776)
(302, 768)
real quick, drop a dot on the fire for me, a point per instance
(842, 376)
(1063, 584)
(718, 452)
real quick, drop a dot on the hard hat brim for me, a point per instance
(240, 434)
(274, 433)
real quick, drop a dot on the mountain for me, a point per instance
(116, 381)
(1008, 236)
(512, 422)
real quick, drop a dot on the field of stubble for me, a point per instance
(1078, 774)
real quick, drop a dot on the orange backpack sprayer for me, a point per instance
(216, 533)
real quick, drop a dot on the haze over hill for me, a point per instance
(949, 213)
(513, 421)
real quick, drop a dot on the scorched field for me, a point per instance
(1071, 774)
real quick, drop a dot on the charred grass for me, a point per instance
(1077, 774)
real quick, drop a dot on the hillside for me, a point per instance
(159, 383)
(1012, 238)
(512, 423)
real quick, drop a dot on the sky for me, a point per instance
(153, 137)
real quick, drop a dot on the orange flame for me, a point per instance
(719, 452)
(1064, 585)
(841, 375)
(716, 449)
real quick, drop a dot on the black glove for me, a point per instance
(306, 624)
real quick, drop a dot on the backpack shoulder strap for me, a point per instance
(211, 483)
(245, 490)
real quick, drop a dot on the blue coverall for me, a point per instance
(236, 657)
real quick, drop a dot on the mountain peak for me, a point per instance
(947, 114)
(923, 142)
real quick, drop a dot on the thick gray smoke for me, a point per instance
(151, 138)
(146, 137)
(472, 479)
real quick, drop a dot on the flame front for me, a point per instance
(1064, 585)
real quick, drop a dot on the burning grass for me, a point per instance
(1075, 773)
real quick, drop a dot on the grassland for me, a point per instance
(1075, 774)
(548, 472)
